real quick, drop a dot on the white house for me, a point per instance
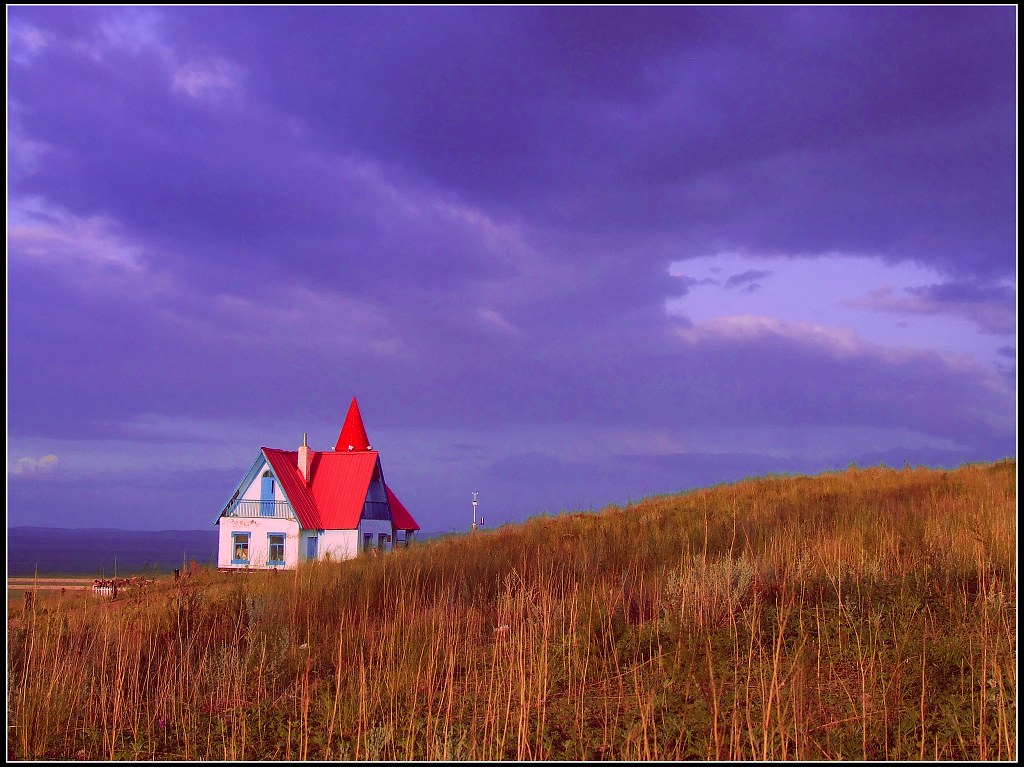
(293, 506)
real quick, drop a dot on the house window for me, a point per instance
(239, 548)
(367, 541)
(382, 541)
(311, 547)
(400, 539)
(377, 510)
(267, 495)
(275, 544)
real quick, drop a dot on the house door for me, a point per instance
(267, 496)
(311, 546)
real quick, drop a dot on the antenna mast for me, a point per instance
(474, 510)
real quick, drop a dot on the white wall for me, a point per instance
(341, 544)
(252, 493)
(258, 527)
(259, 547)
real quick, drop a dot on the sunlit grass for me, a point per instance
(864, 614)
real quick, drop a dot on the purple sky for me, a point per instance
(563, 257)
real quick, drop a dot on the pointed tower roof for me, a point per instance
(353, 432)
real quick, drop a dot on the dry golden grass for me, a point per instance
(865, 614)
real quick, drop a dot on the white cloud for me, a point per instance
(823, 297)
(836, 341)
(206, 78)
(495, 320)
(135, 30)
(25, 42)
(841, 341)
(23, 151)
(27, 465)
(40, 232)
(90, 458)
(295, 317)
(992, 314)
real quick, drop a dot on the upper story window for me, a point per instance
(267, 495)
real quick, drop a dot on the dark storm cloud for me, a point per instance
(746, 278)
(787, 130)
(991, 307)
(467, 215)
(613, 373)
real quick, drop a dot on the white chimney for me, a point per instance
(305, 458)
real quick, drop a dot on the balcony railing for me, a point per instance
(258, 509)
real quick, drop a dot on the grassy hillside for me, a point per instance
(866, 614)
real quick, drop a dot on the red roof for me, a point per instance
(285, 464)
(353, 433)
(340, 482)
(333, 499)
(400, 515)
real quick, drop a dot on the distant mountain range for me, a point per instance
(96, 551)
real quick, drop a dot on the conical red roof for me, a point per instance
(353, 432)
